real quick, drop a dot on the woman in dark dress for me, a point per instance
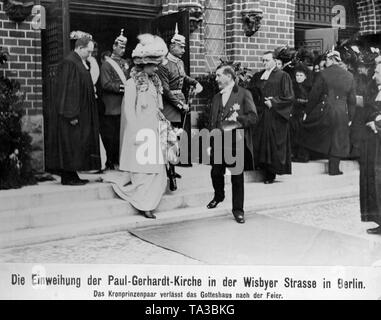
(302, 86)
(370, 159)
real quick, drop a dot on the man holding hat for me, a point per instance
(112, 72)
(329, 111)
(172, 75)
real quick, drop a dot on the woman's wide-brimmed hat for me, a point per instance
(150, 50)
(75, 35)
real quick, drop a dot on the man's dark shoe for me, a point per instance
(185, 165)
(76, 182)
(239, 217)
(177, 176)
(336, 173)
(269, 181)
(374, 230)
(84, 181)
(110, 166)
(213, 204)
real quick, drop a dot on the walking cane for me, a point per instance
(190, 94)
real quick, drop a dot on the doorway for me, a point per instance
(316, 40)
(105, 29)
(104, 21)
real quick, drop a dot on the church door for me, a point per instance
(319, 40)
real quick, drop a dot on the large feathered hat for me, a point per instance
(333, 54)
(75, 35)
(150, 49)
(284, 53)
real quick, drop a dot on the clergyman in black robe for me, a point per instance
(273, 95)
(73, 141)
(370, 157)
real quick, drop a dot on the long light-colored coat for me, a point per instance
(139, 119)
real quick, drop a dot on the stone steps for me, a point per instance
(51, 206)
(197, 177)
(124, 222)
(71, 212)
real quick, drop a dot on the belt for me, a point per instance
(176, 91)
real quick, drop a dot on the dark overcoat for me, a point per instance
(272, 134)
(73, 148)
(330, 136)
(247, 116)
(370, 163)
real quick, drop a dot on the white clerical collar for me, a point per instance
(378, 98)
(228, 88)
(172, 58)
(266, 74)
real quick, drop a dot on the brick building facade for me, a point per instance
(25, 66)
(220, 35)
(369, 12)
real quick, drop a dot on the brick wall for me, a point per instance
(369, 12)
(222, 34)
(277, 29)
(24, 45)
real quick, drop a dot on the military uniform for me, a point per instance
(173, 77)
(338, 87)
(112, 97)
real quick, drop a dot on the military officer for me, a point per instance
(326, 130)
(112, 71)
(172, 75)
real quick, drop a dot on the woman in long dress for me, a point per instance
(142, 179)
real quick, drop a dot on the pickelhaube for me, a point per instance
(178, 38)
(121, 40)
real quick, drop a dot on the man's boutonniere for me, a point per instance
(234, 115)
(236, 107)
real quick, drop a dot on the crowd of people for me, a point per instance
(292, 110)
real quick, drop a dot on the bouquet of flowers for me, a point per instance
(230, 122)
(169, 141)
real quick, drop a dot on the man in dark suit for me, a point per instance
(235, 106)
(335, 87)
(112, 96)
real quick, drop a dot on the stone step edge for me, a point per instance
(181, 193)
(96, 186)
(56, 233)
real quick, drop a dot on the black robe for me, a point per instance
(272, 134)
(370, 164)
(73, 148)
